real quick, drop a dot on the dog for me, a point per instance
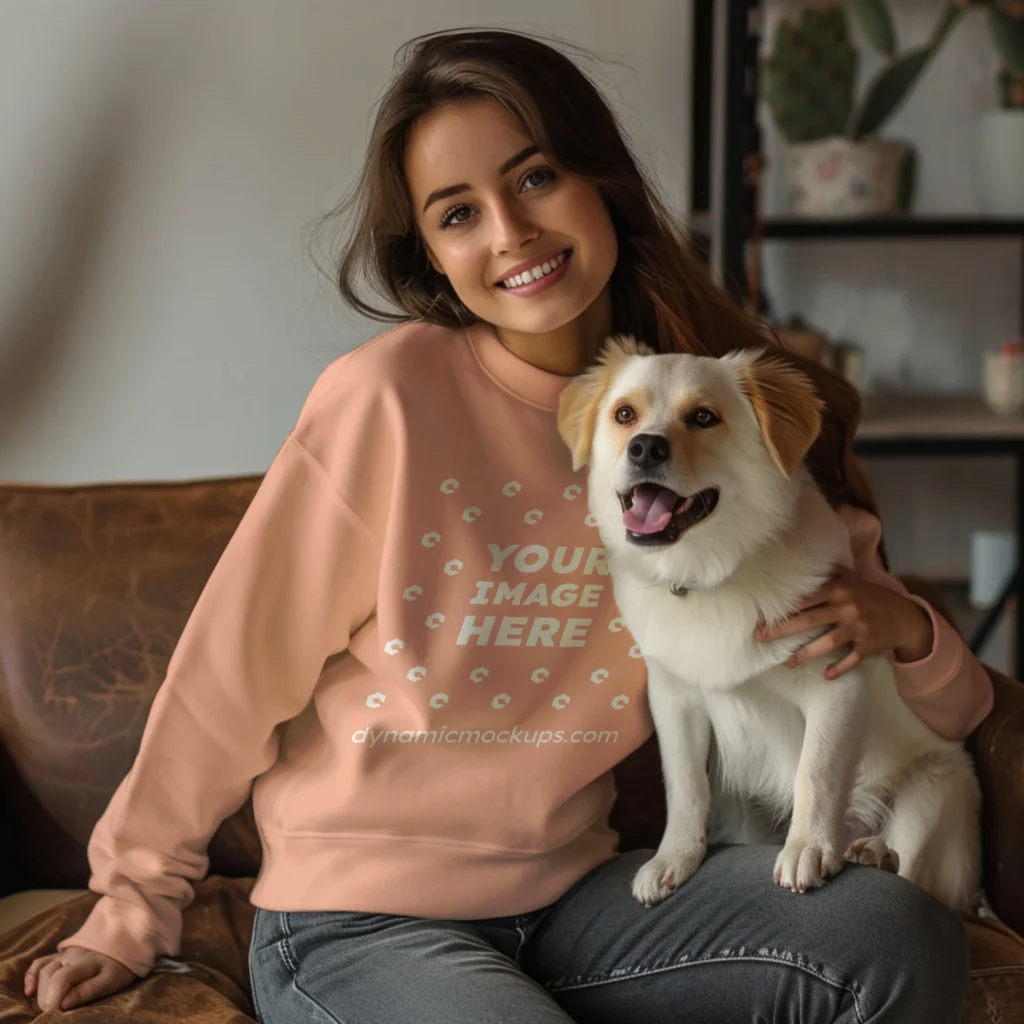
(713, 523)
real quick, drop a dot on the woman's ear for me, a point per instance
(434, 261)
(787, 408)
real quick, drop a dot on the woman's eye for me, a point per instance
(703, 418)
(456, 215)
(625, 414)
(538, 176)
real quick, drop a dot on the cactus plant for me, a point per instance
(810, 75)
(1006, 25)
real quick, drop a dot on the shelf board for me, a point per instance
(934, 416)
(894, 227)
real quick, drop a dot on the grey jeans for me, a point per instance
(727, 946)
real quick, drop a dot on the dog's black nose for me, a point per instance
(646, 451)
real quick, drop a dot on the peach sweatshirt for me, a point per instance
(411, 645)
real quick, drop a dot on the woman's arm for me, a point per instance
(297, 578)
(946, 687)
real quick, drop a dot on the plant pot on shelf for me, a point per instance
(838, 177)
(999, 162)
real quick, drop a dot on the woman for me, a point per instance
(411, 646)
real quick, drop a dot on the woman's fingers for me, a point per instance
(823, 615)
(53, 984)
(32, 974)
(87, 989)
(842, 667)
(818, 597)
(56, 979)
(824, 644)
(74, 977)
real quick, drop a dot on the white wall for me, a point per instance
(159, 315)
(923, 310)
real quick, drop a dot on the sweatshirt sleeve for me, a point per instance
(947, 689)
(296, 580)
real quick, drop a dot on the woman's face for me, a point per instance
(491, 207)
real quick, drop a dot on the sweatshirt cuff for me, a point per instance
(101, 935)
(939, 665)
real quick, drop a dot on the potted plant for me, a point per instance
(999, 150)
(836, 164)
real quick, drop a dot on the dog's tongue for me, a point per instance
(651, 510)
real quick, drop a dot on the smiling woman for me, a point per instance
(513, 216)
(420, 559)
(492, 155)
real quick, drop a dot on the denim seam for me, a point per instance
(596, 980)
(523, 936)
(252, 980)
(288, 956)
(252, 956)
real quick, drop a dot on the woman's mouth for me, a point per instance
(538, 277)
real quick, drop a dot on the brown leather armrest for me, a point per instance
(997, 746)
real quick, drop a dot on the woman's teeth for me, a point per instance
(535, 273)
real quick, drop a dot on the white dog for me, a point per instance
(712, 522)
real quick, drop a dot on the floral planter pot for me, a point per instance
(837, 177)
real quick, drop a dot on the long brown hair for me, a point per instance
(661, 292)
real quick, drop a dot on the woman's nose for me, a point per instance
(512, 228)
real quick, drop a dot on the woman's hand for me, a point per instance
(62, 981)
(873, 618)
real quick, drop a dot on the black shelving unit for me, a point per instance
(893, 227)
(725, 183)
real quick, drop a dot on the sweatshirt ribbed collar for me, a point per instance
(523, 379)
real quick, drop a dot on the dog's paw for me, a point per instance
(871, 850)
(665, 872)
(805, 864)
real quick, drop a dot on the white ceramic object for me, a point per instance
(837, 177)
(1003, 382)
(993, 558)
(999, 162)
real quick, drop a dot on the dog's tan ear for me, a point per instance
(581, 399)
(577, 411)
(787, 408)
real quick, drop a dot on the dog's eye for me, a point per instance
(625, 414)
(703, 418)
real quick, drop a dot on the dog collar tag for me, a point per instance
(679, 590)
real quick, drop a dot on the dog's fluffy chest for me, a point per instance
(704, 639)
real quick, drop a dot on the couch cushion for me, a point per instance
(996, 992)
(22, 905)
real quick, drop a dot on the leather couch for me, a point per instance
(96, 583)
